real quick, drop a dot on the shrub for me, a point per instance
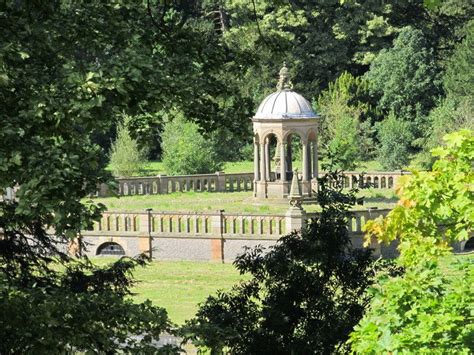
(305, 295)
(427, 309)
(126, 159)
(342, 110)
(185, 150)
(395, 138)
(405, 77)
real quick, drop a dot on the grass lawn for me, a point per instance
(241, 202)
(156, 167)
(179, 286)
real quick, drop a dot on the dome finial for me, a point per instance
(284, 82)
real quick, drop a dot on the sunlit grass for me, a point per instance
(179, 286)
(156, 167)
(238, 202)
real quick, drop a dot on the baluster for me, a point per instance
(196, 224)
(233, 225)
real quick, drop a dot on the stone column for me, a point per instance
(305, 161)
(217, 241)
(295, 219)
(267, 160)
(256, 172)
(283, 162)
(163, 184)
(315, 159)
(262, 162)
(220, 182)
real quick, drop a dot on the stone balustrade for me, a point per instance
(202, 236)
(189, 224)
(164, 184)
(222, 182)
(375, 179)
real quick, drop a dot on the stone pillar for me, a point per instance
(305, 161)
(295, 219)
(220, 181)
(217, 241)
(267, 160)
(163, 184)
(145, 230)
(103, 191)
(262, 162)
(315, 159)
(283, 162)
(256, 171)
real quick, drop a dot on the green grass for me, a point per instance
(179, 286)
(239, 202)
(156, 167)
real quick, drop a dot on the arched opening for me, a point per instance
(294, 153)
(469, 246)
(273, 165)
(110, 248)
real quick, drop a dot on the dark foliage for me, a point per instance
(52, 303)
(305, 295)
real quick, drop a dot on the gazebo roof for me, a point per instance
(284, 103)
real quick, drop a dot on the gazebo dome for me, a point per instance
(284, 103)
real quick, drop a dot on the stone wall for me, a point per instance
(217, 236)
(221, 182)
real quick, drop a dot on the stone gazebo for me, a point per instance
(281, 116)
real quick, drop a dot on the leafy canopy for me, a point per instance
(304, 296)
(428, 308)
(185, 150)
(126, 159)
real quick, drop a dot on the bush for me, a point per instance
(395, 138)
(344, 148)
(305, 295)
(405, 77)
(342, 110)
(126, 159)
(185, 150)
(428, 309)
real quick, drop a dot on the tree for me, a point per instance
(406, 77)
(426, 308)
(68, 70)
(343, 136)
(455, 111)
(395, 137)
(185, 150)
(458, 79)
(304, 295)
(126, 159)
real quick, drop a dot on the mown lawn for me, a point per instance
(179, 286)
(156, 167)
(241, 202)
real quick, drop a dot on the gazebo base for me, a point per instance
(279, 189)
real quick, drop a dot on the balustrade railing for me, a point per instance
(222, 182)
(212, 225)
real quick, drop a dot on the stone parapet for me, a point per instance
(222, 182)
